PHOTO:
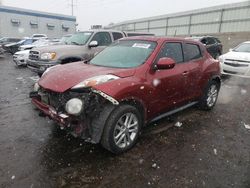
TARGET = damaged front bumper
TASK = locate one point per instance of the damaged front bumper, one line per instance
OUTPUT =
(82, 125)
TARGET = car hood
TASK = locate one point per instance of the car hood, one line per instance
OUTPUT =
(242, 56)
(27, 46)
(11, 44)
(63, 77)
(23, 52)
(59, 48)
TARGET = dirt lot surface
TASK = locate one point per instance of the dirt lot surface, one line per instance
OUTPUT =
(210, 149)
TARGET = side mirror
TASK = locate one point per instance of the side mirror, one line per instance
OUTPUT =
(165, 63)
(230, 50)
(93, 44)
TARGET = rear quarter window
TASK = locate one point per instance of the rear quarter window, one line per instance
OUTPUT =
(192, 52)
(117, 35)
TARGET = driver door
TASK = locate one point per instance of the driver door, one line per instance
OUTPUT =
(169, 84)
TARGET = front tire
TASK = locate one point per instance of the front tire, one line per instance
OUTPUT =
(210, 96)
(122, 129)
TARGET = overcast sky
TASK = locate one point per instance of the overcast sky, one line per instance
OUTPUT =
(103, 12)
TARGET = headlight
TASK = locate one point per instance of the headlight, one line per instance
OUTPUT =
(36, 87)
(74, 106)
(95, 81)
(48, 56)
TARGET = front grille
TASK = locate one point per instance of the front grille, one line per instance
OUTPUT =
(232, 72)
(235, 60)
(58, 100)
(236, 64)
(34, 55)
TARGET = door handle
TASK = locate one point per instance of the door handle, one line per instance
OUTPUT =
(185, 73)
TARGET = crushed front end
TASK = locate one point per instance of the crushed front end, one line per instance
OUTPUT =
(74, 110)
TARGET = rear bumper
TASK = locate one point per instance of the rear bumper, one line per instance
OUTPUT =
(40, 66)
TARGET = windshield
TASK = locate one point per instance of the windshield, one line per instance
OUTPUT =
(125, 54)
(3, 40)
(245, 47)
(80, 38)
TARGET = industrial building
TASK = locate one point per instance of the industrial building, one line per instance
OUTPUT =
(230, 22)
(17, 22)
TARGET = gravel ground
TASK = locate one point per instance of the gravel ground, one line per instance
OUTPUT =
(210, 149)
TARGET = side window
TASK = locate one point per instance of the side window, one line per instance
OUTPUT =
(210, 41)
(103, 38)
(172, 50)
(217, 40)
(117, 36)
(204, 41)
(192, 51)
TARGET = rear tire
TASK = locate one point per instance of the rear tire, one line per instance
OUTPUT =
(210, 96)
(122, 129)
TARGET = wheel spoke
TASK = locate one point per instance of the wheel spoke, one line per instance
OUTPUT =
(127, 119)
(119, 135)
(120, 139)
(132, 125)
(133, 130)
(128, 138)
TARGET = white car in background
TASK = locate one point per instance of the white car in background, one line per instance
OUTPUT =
(237, 61)
(20, 57)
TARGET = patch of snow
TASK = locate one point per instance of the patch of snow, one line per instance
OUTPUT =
(246, 126)
(215, 151)
(156, 82)
(243, 91)
(178, 124)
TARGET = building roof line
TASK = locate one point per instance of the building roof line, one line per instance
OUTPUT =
(22, 11)
(185, 13)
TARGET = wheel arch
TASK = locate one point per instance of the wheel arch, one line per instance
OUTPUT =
(69, 59)
(139, 105)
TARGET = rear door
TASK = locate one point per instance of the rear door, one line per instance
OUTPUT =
(193, 62)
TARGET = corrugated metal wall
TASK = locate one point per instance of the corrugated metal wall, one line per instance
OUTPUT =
(219, 19)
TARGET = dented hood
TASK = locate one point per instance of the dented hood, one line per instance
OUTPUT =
(63, 77)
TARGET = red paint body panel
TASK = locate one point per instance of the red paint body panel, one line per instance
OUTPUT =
(157, 90)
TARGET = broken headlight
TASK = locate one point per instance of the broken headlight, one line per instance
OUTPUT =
(74, 106)
(95, 81)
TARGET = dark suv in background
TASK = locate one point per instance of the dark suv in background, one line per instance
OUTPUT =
(213, 45)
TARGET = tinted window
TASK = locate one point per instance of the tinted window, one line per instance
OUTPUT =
(217, 40)
(192, 51)
(211, 41)
(117, 36)
(103, 38)
(172, 50)
(204, 41)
